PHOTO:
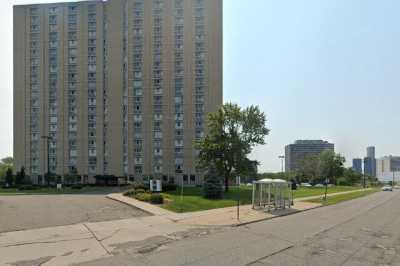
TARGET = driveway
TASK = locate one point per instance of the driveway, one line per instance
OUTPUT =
(38, 211)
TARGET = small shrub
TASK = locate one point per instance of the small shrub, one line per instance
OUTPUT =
(343, 182)
(138, 185)
(76, 186)
(129, 193)
(146, 197)
(27, 187)
(169, 187)
(157, 199)
(140, 191)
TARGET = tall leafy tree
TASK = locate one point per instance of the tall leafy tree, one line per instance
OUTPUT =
(331, 165)
(20, 177)
(351, 177)
(5, 163)
(233, 133)
(310, 168)
(9, 161)
(9, 178)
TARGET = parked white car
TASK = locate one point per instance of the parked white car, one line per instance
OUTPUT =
(305, 185)
(387, 188)
(319, 185)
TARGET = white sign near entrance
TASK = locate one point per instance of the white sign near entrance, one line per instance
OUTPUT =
(155, 186)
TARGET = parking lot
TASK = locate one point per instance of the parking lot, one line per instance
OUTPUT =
(36, 211)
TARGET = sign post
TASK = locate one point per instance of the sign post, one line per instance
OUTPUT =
(238, 196)
(326, 187)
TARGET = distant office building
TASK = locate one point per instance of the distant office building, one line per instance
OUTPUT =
(371, 152)
(295, 153)
(357, 165)
(370, 162)
(386, 167)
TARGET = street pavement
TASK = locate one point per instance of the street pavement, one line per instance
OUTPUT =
(363, 231)
(24, 212)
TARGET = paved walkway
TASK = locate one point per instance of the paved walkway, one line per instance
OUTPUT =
(331, 194)
(223, 216)
(64, 245)
(216, 217)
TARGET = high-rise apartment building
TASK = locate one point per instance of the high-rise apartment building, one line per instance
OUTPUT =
(370, 162)
(116, 87)
(297, 152)
(357, 165)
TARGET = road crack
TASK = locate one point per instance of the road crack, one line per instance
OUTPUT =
(98, 240)
(44, 242)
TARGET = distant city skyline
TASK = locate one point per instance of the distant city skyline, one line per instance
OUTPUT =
(318, 69)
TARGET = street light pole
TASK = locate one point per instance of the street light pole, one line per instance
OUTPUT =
(281, 157)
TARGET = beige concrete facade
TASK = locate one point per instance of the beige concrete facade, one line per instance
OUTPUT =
(123, 87)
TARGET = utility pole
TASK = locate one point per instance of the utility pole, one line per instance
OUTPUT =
(364, 181)
(393, 179)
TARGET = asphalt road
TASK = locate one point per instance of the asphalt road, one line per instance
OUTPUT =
(364, 231)
(38, 211)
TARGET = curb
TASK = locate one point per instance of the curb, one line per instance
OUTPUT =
(174, 220)
(130, 205)
(274, 217)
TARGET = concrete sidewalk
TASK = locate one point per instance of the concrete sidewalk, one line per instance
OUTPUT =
(330, 194)
(66, 245)
(223, 216)
(214, 217)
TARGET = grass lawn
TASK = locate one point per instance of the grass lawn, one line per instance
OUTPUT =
(193, 200)
(52, 190)
(303, 192)
(340, 198)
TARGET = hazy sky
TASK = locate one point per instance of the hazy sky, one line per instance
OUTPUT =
(320, 69)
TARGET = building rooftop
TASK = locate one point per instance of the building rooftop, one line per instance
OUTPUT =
(60, 3)
(303, 141)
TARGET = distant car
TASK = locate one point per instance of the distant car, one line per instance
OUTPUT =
(319, 185)
(305, 185)
(396, 187)
(387, 188)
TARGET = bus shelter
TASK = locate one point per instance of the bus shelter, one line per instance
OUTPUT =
(272, 194)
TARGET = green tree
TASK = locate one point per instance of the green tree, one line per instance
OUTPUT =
(212, 188)
(9, 161)
(310, 168)
(233, 133)
(9, 178)
(5, 163)
(318, 168)
(351, 177)
(331, 165)
(20, 177)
